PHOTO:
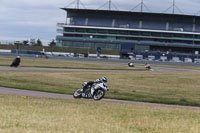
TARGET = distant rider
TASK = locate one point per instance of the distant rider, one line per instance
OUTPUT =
(16, 62)
(147, 66)
(90, 83)
(130, 64)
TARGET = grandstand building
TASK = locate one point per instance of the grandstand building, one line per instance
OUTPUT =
(129, 31)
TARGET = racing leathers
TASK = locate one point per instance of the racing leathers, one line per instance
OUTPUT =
(90, 83)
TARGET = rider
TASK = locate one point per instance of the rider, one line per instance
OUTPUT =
(147, 66)
(90, 83)
(16, 62)
(130, 64)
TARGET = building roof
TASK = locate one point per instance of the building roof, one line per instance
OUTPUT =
(112, 12)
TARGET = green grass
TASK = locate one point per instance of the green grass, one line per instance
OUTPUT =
(135, 85)
(177, 66)
(38, 115)
(61, 63)
(55, 63)
(158, 87)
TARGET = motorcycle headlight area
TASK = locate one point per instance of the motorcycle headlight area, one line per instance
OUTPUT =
(105, 84)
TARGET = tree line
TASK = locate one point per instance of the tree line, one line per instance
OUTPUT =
(33, 43)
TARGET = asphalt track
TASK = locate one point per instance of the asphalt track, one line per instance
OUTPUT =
(63, 69)
(44, 69)
(30, 93)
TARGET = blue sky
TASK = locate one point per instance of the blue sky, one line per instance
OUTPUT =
(25, 19)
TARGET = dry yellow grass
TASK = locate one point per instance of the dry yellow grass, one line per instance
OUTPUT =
(27, 114)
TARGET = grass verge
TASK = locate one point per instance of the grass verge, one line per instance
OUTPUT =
(74, 64)
(29, 114)
(55, 63)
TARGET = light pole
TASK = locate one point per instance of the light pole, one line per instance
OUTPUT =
(89, 44)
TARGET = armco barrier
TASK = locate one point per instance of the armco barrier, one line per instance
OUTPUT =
(25, 52)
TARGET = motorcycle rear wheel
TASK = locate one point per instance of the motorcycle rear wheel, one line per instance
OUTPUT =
(77, 93)
(98, 94)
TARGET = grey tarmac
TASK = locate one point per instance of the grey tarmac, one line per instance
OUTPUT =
(12, 91)
(65, 69)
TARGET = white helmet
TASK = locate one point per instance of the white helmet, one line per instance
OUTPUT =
(104, 79)
(84, 84)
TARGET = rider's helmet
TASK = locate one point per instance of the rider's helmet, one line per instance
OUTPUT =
(104, 79)
(84, 84)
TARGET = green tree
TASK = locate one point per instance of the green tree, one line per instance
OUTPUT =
(38, 43)
(25, 42)
(52, 43)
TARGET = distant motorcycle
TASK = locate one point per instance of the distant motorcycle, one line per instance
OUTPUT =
(130, 64)
(147, 66)
(95, 91)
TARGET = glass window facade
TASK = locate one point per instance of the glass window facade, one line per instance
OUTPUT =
(121, 36)
(93, 45)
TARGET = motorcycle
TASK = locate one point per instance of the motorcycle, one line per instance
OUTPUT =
(130, 64)
(95, 91)
(147, 66)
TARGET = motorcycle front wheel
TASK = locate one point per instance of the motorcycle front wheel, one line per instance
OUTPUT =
(77, 93)
(98, 94)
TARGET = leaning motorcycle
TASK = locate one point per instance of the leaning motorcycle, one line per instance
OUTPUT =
(95, 91)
